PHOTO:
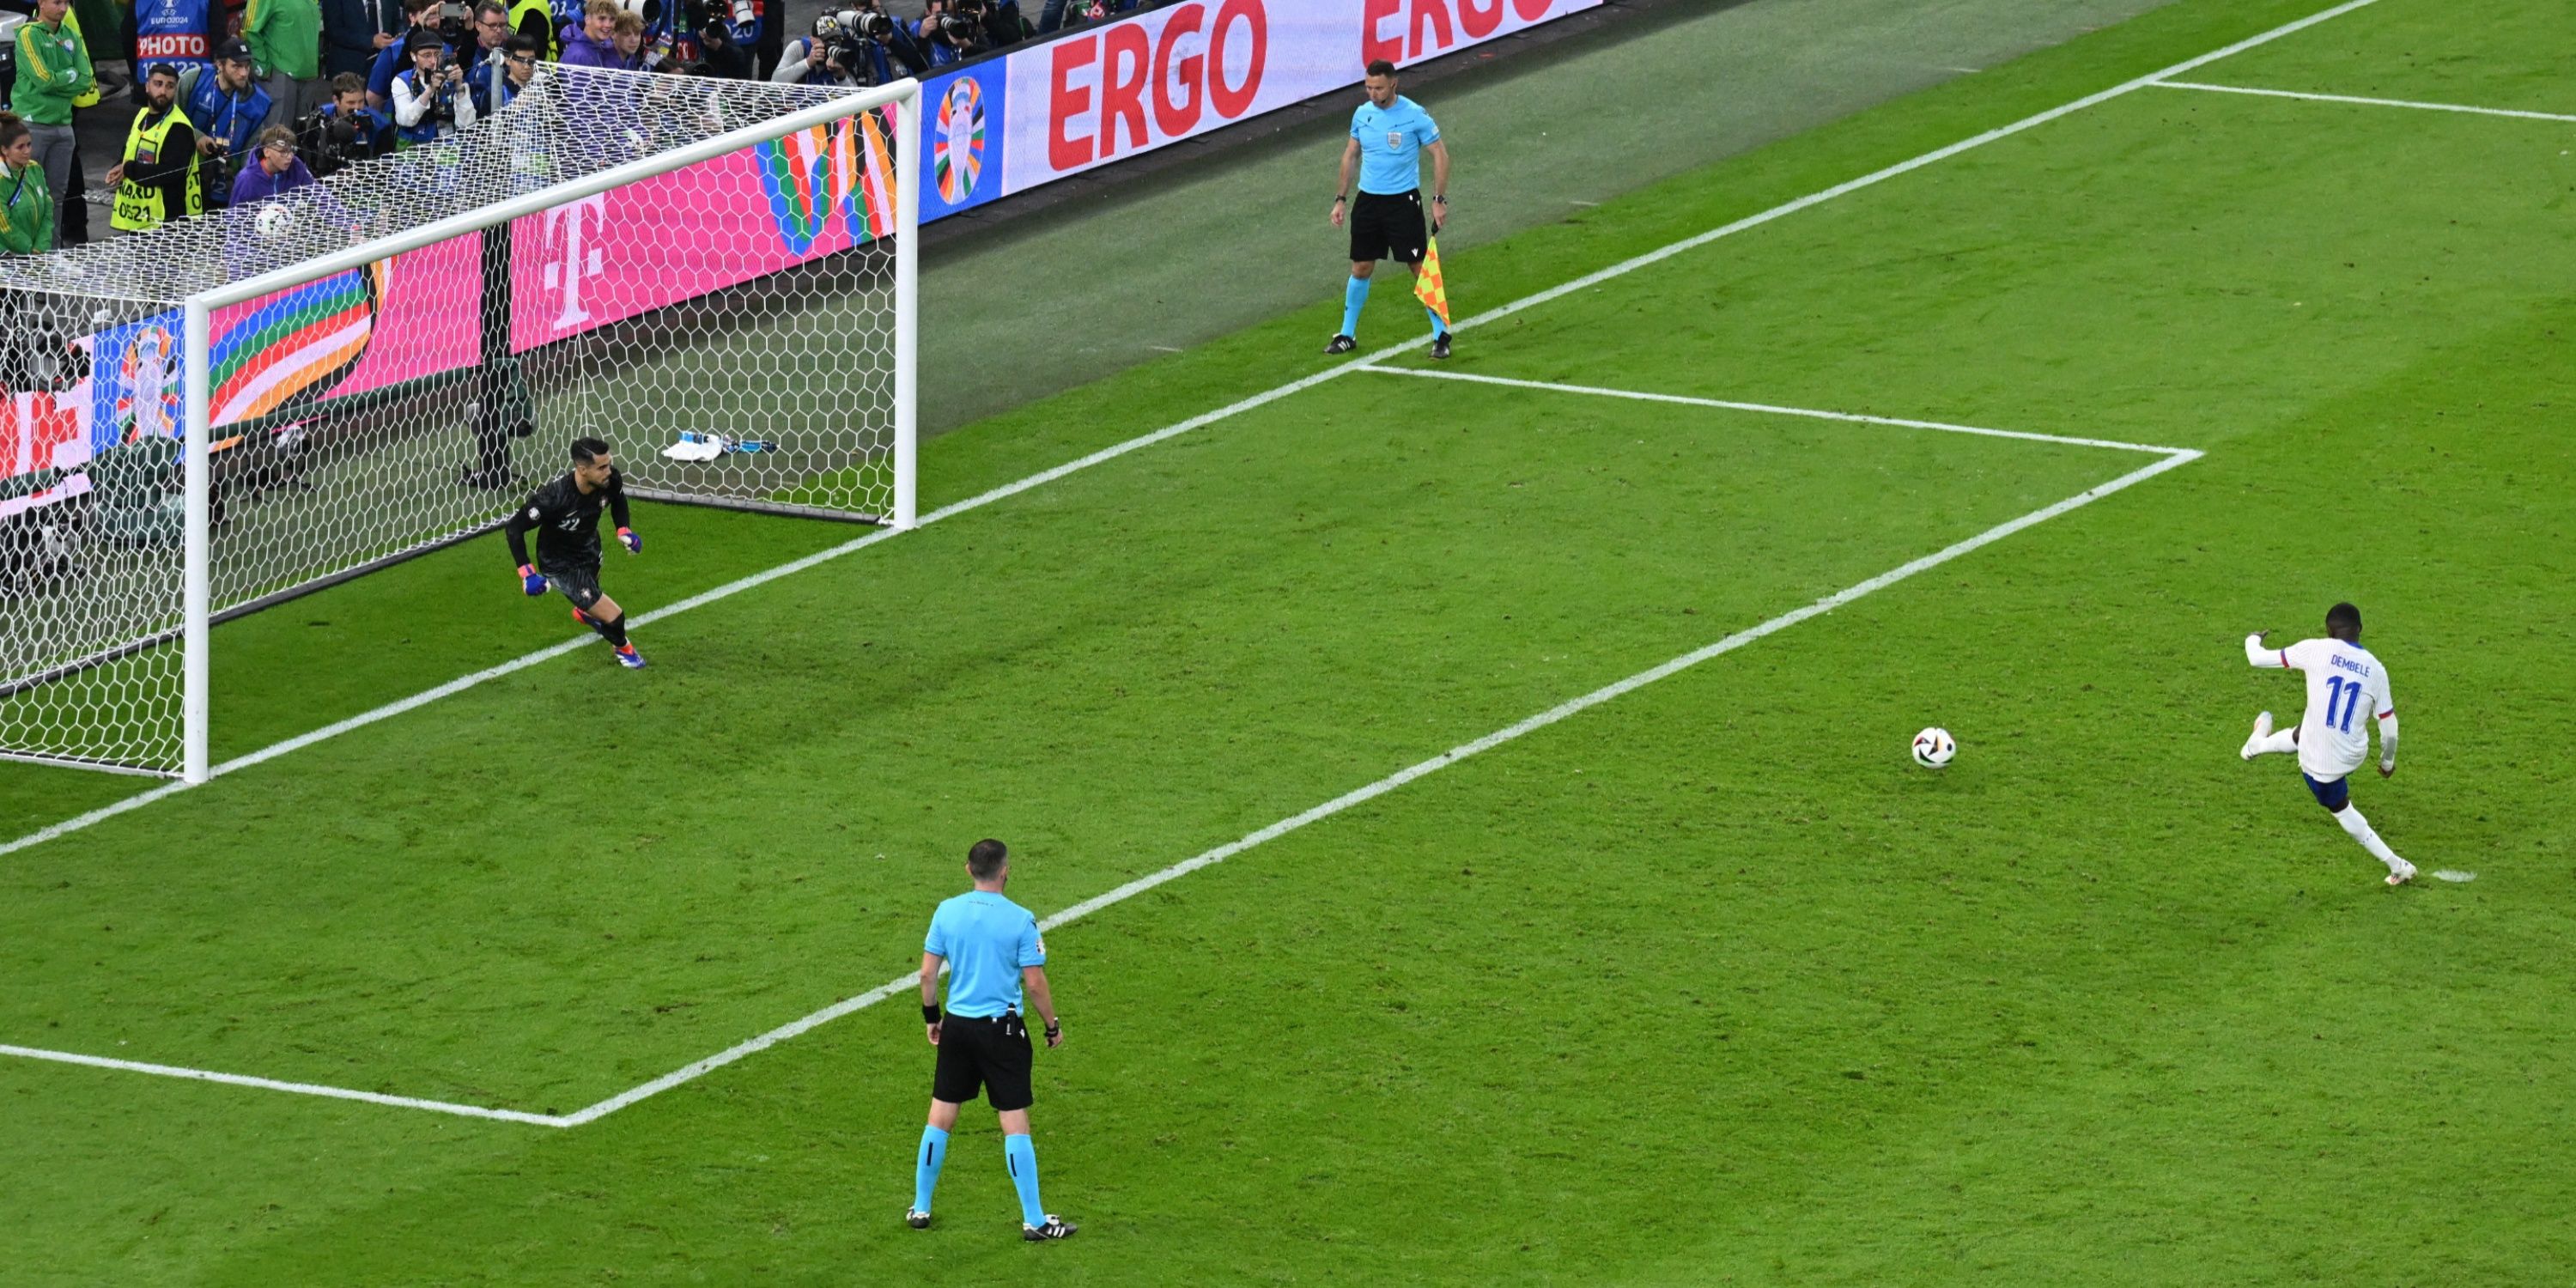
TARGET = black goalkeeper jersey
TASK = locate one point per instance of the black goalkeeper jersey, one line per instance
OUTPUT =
(567, 522)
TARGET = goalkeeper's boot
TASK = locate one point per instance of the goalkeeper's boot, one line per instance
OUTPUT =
(585, 619)
(1341, 344)
(1440, 346)
(630, 659)
(1056, 1227)
(917, 1219)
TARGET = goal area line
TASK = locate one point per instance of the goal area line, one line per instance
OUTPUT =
(2172, 458)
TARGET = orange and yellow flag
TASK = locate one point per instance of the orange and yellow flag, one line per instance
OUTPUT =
(1427, 286)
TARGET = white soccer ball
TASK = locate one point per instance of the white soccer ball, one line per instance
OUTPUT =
(1933, 748)
(275, 222)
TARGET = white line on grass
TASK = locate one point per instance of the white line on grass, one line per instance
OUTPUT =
(2175, 456)
(1902, 167)
(1768, 409)
(1586, 282)
(2366, 102)
(299, 1088)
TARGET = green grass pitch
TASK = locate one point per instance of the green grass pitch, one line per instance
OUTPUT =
(1705, 984)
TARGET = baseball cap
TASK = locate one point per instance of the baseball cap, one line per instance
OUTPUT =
(235, 50)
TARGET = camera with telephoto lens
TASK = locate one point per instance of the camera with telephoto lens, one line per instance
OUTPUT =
(442, 92)
(334, 143)
(456, 23)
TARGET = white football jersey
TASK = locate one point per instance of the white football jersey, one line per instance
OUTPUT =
(2347, 690)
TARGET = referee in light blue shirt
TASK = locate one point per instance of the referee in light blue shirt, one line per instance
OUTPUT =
(992, 948)
(1389, 134)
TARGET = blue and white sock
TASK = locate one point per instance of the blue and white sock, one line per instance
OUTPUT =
(925, 1169)
(1353, 296)
(1438, 327)
(1022, 1155)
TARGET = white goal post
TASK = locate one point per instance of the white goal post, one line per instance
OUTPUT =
(719, 277)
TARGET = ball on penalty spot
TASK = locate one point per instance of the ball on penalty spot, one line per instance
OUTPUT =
(1934, 747)
(275, 222)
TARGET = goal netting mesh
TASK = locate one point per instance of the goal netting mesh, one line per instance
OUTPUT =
(723, 309)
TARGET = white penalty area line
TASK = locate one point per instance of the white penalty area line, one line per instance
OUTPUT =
(2173, 458)
(2366, 102)
(869, 998)
(1768, 409)
(272, 1084)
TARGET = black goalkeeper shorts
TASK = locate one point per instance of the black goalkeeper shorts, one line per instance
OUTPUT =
(576, 582)
(1388, 226)
(992, 1055)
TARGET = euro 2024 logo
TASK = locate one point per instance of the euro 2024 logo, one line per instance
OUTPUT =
(958, 157)
(149, 400)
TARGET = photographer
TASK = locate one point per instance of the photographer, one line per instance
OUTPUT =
(832, 56)
(720, 54)
(424, 16)
(344, 132)
(952, 31)
(430, 102)
(228, 109)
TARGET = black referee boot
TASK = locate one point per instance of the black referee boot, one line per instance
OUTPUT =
(1055, 1228)
(917, 1219)
(1341, 344)
(1440, 347)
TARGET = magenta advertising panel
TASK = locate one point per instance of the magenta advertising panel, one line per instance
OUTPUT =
(648, 245)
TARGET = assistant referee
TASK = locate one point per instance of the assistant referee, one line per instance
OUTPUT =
(1389, 134)
(992, 948)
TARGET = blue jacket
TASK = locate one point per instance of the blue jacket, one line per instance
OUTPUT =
(230, 119)
(348, 37)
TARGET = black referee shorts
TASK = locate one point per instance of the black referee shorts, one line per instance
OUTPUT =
(1388, 225)
(991, 1055)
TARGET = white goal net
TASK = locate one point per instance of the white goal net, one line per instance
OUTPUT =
(228, 411)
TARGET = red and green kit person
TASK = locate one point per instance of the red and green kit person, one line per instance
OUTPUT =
(565, 515)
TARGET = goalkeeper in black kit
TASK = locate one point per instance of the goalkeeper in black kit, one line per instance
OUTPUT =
(565, 514)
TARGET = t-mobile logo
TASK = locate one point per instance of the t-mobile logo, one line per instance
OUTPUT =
(567, 230)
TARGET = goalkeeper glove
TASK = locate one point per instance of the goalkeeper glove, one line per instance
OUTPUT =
(634, 544)
(531, 581)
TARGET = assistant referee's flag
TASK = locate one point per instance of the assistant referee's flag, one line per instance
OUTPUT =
(1427, 286)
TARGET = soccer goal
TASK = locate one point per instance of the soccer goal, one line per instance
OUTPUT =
(210, 418)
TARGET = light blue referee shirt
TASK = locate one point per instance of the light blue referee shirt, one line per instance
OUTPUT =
(986, 939)
(1391, 143)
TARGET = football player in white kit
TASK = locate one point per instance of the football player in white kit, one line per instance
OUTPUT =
(2347, 688)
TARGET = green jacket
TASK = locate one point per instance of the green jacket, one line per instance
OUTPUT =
(285, 36)
(53, 69)
(26, 211)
